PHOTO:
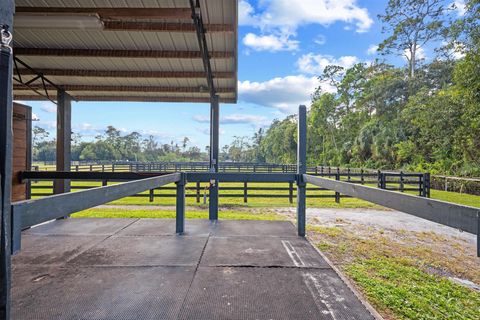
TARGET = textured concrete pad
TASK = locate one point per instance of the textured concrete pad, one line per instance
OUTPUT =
(47, 250)
(73, 226)
(270, 293)
(165, 227)
(144, 251)
(135, 270)
(262, 252)
(229, 228)
(104, 293)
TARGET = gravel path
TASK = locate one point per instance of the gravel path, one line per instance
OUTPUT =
(380, 219)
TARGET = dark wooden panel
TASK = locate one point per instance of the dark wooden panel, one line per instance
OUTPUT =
(21, 147)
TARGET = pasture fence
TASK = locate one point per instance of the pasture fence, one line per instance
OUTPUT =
(417, 183)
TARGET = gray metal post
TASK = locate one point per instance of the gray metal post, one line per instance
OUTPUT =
(301, 169)
(64, 138)
(214, 139)
(180, 205)
(6, 108)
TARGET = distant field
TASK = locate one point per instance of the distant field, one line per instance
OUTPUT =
(464, 199)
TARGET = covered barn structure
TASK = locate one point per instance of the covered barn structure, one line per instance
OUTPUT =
(154, 51)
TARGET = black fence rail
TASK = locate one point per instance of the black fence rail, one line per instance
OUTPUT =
(416, 183)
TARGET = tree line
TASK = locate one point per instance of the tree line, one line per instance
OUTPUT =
(422, 117)
(113, 146)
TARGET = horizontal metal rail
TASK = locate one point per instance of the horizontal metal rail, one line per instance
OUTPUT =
(32, 212)
(446, 213)
(87, 175)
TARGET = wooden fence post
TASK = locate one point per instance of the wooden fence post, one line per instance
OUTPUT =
(245, 193)
(401, 182)
(198, 192)
(290, 191)
(337, 195)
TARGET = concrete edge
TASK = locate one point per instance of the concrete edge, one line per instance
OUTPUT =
(348, 283)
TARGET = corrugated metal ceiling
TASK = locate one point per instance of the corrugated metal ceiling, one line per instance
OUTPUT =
(219, 12)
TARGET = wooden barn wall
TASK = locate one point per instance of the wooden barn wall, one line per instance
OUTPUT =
(22, 136)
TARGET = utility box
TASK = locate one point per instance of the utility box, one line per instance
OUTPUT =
(22, 150)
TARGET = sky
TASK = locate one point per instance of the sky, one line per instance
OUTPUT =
(283, 46)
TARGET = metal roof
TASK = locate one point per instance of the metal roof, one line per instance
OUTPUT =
(144, 50)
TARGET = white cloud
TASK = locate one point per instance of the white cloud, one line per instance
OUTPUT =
(48, 107)
(320, 39)
(255, 120)
(460, 6)
(419, 55)
(35, 117)
(245, 119)
(458, 51)
(206, 130)
(270, 42)
(246, 13)
(201, 119)
(47, 124)
(315, 63)
(288, 15)
(282, 93)
(372, 49)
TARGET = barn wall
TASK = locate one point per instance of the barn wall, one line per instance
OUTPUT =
(22, 135)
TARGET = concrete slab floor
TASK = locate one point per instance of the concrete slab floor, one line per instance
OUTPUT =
(139, 269)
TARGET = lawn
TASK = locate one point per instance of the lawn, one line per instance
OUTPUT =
(166, 197)
(404, 274)
(170, 214)
(396, 286)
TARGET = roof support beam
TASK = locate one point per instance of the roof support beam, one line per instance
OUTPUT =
(82, 87)
(125, 73)
(108, 53)
(64, 137)
(39, 89)
(112, 13)
(163, 26)
(6, 112)
(202, 43)
(27, 97)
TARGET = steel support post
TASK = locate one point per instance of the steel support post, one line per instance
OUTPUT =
(6, 109)
(180, 205)
(301, 169)
(214, 142)
(64, 138)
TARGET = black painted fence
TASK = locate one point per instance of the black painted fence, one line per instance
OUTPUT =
(417, 183)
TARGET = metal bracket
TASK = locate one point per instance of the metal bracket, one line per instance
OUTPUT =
(202, 43)
(300, 180)
(38, 76)
(5, 38)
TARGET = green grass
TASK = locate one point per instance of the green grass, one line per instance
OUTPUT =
(329, 231)
(170, 214)
(409, 293)
(231, 201)
(454, 197)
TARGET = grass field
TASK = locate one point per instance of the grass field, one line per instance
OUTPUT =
(170, 214)
(161, 199)
(405, 274)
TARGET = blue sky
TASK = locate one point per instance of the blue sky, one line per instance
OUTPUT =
(283, 46)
